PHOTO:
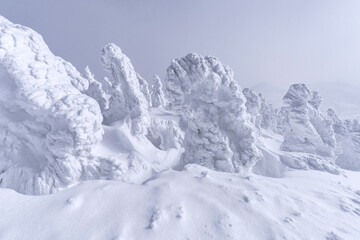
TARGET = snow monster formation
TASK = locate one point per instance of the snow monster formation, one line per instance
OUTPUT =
(253, 106)
(157, 94)
(218, 132)
(305, 129)
(47, 126)
(348, 142)
(263, 115)
(129, 94)
(269, 115)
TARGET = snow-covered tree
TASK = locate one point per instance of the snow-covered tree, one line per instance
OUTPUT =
(268, 115)
(218, 133)
(253, 104)
(95, 90)
(305, 129)
(127, 100)
(157, 95)
(47, 126)
(348, 143)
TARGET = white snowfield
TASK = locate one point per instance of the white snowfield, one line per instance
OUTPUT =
(192, 157)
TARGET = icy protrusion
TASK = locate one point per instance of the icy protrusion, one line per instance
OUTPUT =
(253, 104)
(218, 133)
(157, 95)
(47, 126)
(268, 115)
(95, 90)
(304, 128)
(127, 101)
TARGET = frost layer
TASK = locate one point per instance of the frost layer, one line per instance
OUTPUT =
(47, 126)
(218, 133)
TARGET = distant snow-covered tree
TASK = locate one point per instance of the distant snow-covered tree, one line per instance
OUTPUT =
(268, 115)
(348, 143)
(96, 91)
(126, 89)
(305, 129)
(253, 104)
(157, 95)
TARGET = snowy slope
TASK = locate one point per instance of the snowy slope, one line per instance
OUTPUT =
(193, 204)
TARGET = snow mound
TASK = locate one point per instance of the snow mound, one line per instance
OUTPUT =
(218, 133)
(47, 126)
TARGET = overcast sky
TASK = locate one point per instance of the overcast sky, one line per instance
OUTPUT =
(277, 41)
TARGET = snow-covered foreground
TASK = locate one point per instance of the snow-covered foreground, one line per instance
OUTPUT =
(196, 203)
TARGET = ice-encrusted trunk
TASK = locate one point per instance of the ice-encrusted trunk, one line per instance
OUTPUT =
(47, 126)
(218, 131)
(305, 129)
(128, 91)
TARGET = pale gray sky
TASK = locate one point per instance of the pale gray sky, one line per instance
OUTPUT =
(277, 41)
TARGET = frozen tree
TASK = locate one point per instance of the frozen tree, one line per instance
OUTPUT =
(305, 129)
(218, 133)
(95, 90)
(348, 143)
(47, 126)
(268, 115)
(157, 95)
(144, 87)
(253, 104)
(126, 89)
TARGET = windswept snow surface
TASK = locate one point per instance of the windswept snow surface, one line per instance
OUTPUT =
(196, 203)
